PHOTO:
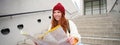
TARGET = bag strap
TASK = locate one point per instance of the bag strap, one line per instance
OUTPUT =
(68, 26)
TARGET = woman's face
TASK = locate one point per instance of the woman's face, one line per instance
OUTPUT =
(57, 15)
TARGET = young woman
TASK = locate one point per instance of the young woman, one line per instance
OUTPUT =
(58, 18)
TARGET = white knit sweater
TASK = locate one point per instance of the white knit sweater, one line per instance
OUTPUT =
(73, 30)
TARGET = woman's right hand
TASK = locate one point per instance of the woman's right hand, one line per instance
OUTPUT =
(70, 40)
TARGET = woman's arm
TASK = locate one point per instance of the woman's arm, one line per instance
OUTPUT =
(74, 35)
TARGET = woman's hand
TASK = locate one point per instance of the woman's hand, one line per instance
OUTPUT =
(72, 40)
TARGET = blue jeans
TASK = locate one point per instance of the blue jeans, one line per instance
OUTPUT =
(79, 44)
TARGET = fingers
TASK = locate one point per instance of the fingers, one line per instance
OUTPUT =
(70, 40)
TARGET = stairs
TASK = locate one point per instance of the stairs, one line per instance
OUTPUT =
(101, 29)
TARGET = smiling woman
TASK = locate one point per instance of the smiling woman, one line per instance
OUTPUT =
(70, 29)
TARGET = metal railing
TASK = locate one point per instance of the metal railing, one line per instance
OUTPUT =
(24, 13)
(30, 13)
(113, 5)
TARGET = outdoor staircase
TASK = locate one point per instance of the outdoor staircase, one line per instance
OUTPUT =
(101, 29)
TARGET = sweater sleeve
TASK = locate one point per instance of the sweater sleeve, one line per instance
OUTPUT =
(74, 31)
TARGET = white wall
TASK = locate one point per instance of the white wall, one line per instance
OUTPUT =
(19, 6)
(30, 23)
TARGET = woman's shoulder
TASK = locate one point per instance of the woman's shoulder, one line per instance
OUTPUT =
(70, 21)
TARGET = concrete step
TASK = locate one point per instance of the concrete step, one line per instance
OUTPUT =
(91, 16)
(96, 20)
(94, 26)
(100, 34)
(97, 24)
(117, 24)
(99, 16)
(98, 27)
(112, 25)
(100, 41)
(100, 30)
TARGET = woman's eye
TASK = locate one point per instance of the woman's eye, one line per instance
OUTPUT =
(58, 12)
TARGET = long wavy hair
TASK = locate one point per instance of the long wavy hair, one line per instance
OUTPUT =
(63, 22)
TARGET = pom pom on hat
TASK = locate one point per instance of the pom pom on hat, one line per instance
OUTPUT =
(59, 7)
